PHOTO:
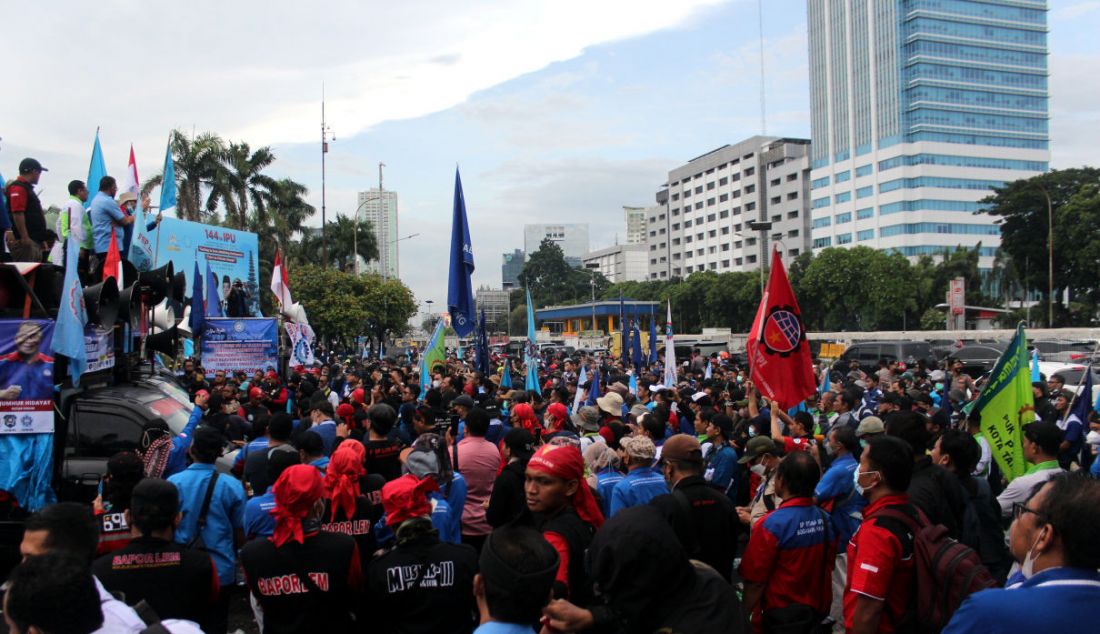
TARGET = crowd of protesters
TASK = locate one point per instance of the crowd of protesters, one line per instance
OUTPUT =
(351, 500)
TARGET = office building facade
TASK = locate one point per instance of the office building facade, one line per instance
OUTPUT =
(722, 211)
(381, 212)
(510, 268)
(919, 108)
(620, 263)
(572, 238)
(635, 218)
(493, 301)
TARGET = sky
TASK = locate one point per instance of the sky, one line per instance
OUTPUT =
(562, 111)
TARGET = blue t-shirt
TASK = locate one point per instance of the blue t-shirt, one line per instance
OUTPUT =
(721, 468)
(224, 517)
(35, 375)
(177, 457)
(258, 520)
(105, 214)
(1054, 600)
(605, 484)
(637, 487)
(837, 484)
(326, 429)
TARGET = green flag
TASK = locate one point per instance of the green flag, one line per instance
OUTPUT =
(1006, 405)
(435, 354)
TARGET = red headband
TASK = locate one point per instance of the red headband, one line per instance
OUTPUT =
(296, 491)
(406, 498)
(342, 477)
(566, 462)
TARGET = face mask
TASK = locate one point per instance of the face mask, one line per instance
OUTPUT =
(939, 386)
(829, 449)
(1093, 438)
(1027, 568)
(752, 431)
(758, 469)
(863, 444)
(855, 479)
(436, 384)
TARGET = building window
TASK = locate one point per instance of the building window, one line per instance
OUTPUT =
(750, 206)
(713, 233)
(864, 192)
(844, 238)
(864, 170)
(725, 264)
(723, 198)
(725, 213)
(710, 186)
(687, 224)
(750, 189)
(737, 261)
(793, 233)
(775, 182)
(676, 197)
(710, 217)
(820, 243)
(776, 200)
(844, 217)
(791, 177)
(749, 171)
(724, 181)
(699, 205)
(699, 189)
(792, 214)
(843, 176)
(792, 196)
(865, 235)
(842, 197)
(725, 246)
(710, 202)
(751, 259)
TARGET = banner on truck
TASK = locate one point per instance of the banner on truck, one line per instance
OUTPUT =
(240, 344)
(232, 255)
(26, 376)
(99, 345)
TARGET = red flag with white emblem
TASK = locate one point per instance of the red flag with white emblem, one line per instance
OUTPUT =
(779, 356)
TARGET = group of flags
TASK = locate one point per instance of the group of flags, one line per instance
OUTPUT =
(72, 316)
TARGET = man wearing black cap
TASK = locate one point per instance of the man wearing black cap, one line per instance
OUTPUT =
(762, 457)
(28, 220)
(711, 515)
(516, 574)
(176, 581)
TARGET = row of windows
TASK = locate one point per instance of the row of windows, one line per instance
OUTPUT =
(947, 72)
(950, 28)
(961, 161)
(981, 10)
(843, 197)
(937, 181)
(979, 139)
(939, 227)
(976, 53)
(818, 183)
(955, 119)
(844, 176)
(931, 249)
(929, 205)
(979, 98)
(822, 222)
(818, 203)
(864, 170)
(844, 218)
(865, 192)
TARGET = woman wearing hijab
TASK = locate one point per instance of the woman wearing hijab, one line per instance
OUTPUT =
(603, 465)
(303, 578)
(523, 417)
(565, 511)
(346, 509)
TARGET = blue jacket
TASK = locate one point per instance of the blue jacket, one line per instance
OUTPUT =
(177, 458)
(637, 487)
(226, 514)
(721, 469)
(258, 520)
(605, 484)
(326, 429)
(837, 484)
(1054, 600)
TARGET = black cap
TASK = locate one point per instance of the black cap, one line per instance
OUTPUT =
(520, 442)
(28, 165)
(154, 501)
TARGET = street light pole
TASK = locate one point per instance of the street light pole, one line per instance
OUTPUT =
(1050, 257)
(592, 282)
(326, 133)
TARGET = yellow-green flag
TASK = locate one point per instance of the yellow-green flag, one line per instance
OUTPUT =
(1006, 405)
(435, 354)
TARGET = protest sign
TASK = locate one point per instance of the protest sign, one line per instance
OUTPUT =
(26, 376)
(231, 254)
(239, 344)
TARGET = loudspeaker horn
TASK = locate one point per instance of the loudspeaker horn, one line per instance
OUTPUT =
(155, 285)
(129, 306)
(164, 342)
(179, 287)
(102, 301)
(164, 315)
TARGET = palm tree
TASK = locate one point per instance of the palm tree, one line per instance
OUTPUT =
(198, 165)
(243, 185)
(285, 210)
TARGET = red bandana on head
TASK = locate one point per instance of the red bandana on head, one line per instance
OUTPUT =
(342, 477)
(406, 498)
(296, 491)
(566, 462)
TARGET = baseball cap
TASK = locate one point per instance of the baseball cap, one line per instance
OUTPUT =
(682, 447)
(639, 447)
(28, 165)
(870, 425)
(756, 447)
(463, 400)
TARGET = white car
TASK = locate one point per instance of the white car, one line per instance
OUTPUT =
(1072, 373)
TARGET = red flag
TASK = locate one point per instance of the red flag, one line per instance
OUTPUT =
(112, 265)
(779, 355)
(280, 282)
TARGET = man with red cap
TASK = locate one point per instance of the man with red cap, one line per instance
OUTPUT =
(422, 584)
(566, 512)
(305, 579)
(254, 410)
(276, 394)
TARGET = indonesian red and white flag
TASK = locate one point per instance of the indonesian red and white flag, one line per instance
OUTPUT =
(779, 355)
(112, 265)
(280, 282)
(131, 183)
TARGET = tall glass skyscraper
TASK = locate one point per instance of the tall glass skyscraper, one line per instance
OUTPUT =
(919, 108)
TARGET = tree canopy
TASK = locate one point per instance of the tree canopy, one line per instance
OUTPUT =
(342, 305)
(552, 280)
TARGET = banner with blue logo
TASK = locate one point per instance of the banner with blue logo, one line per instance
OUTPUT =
(240, 344)
(231, 254)
(26, 376)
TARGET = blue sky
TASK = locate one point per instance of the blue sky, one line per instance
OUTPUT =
(554, 111)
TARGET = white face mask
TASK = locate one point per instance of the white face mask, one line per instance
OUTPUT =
(759, 469)
(1027, 568)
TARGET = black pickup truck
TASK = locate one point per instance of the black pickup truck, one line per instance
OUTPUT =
(91, 426)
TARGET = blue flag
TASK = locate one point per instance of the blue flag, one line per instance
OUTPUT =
(506, 375)
(482, 347)
(581, 378)
(531, 352)
(72, 317)
(168, 184)
(198, 309)
(825, 385)
(636, 348)
(633, 386)
(213, 300)
(1036, 376)
(460, 291)
(652, 339)
(709, 372)
(594, 392)
(96, 170)
(1083, 402)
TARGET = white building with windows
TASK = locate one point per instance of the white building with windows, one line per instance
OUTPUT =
(919, 109)
(723, 210)
(493, 301)
(381, 212)
(572, 238)
(620, 263)
(635, 218)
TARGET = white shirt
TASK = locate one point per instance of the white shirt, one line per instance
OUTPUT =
(1019, 490)
(117, 616)
(76, 220)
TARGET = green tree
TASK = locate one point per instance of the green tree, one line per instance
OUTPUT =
(198, 163)
(1022, 207)
(342, 306)
(552, 281)
(241, 185)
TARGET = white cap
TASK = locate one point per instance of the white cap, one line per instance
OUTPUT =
(698, 395)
